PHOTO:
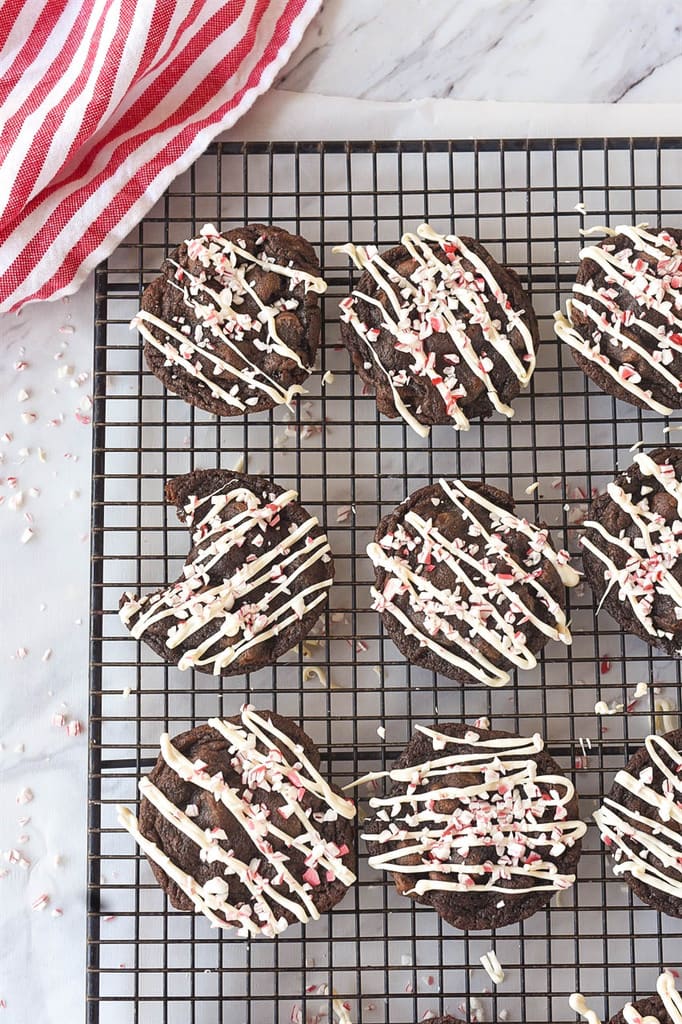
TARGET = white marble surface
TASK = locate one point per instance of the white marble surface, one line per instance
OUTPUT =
(506, 50)
(485, 51)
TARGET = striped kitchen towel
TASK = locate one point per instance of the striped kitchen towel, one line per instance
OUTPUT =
(102, 104)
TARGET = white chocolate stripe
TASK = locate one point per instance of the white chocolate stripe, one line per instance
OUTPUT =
(310, 281)
(260, 727)
(475, 304)
(634, 845)
(271, 770)
(612, 265)
(560, 632)
(501, 812)
(569, 576)
(668, 481)
(440, 608)
(420, 589)
(267, 314)
(666, 989)
(626, 340)
(429, 302)
(461, 421)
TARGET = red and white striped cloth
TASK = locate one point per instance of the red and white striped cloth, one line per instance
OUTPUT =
(102, 104)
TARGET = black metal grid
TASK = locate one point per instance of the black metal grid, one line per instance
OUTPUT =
(391, 961)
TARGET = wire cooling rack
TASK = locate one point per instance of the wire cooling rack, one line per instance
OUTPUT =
(388, 960)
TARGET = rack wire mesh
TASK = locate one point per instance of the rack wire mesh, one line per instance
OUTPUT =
(387, 959)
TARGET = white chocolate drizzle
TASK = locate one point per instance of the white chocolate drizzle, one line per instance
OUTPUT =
(201, 598)
(655, 283)
(651, 558)
(271, 771)
(217, 320)
(439, 297)
(483, 598)
(515, 811)
(635, 838)
(666, 990)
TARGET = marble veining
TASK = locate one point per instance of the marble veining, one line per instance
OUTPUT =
(507, 50)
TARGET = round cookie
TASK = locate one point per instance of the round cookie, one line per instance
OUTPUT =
(237, 823)
(254, 583)
(232, 325)
(624, 320)
(641, 824)
(452, 823)
(439, 330)
(632, 548)
(465, 587)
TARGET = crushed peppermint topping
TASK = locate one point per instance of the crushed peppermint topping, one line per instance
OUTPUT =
(519, 815)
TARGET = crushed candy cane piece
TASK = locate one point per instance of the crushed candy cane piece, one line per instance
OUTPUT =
(25, 796)
(40, 902)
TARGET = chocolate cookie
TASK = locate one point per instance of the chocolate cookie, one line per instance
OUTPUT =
(439, 330)
(465, 587)
(632, 549)
(664, 1008)
(640, 822)
(624, 320)
(237, 823)
(254, 583)
(479, 824)
(232, 324)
